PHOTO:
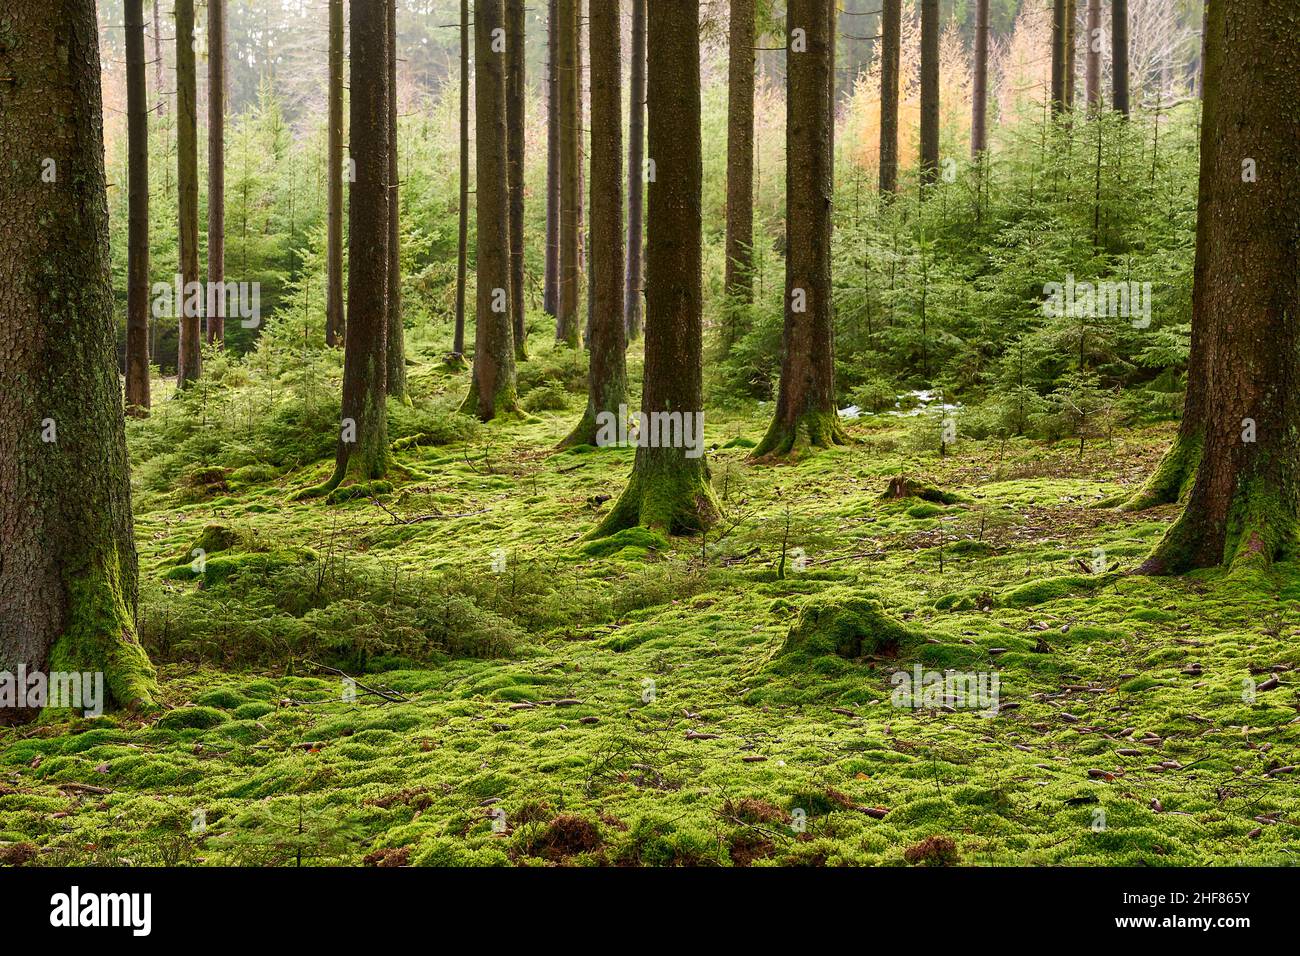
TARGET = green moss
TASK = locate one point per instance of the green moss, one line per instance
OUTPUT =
(225, 698)
(185, 718)
(846, 623)
(640, 540)
(1051, 589)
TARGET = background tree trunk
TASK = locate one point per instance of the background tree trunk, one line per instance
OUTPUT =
(805, 409)
(1119, 55)
(462, 247)
(137, 242)
(635, 174)
(189, 309)
(668, 490)
(334, 189)
(67, 552)
(738, 284)
(395, 342)
(929, 91)
(159, 89)
(890, 28)
(980, 82)
(1059, 35)
(216, 320)
(516, 80)
(566, 320)
(1071, 47)
(1092, 60)
(492, 391)
(1244, 500)
(607, 371)
(551, 281)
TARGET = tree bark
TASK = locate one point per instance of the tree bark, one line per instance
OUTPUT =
(980, 83)
(891, 39)
(216, 323)
(1119, 56)
(492, 391)
(566, 319)
(516, 81)
(632, 310)
(1245, 497)
(607, 371)
(137, 242)
(738, 282)
(189, 309)
(668, 490)
(158, 61)
(929, 91)
(395, 342)
(1092, 61)
(68, 568)
(1059, 35)
(805, 410)
(1071, 35)
(334, 190)
(551, 281)
(462, 248)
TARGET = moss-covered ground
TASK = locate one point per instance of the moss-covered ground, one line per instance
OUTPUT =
(637, 700)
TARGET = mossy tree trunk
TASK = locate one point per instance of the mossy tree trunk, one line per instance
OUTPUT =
(805, 408)
(188, 354)
(551, 279)
(67, 553)
(1243, 503)
(607, 371)
(492, 391)
(137, 242)
(738, 282)
(462, 242)
(395, 341)
(569, 113)
(929, 91)
(980, 81)
(632, 312)
(668, 490)
(1119, 55)
(334, 189)
(890, 51)
(516, 79)
(216, 323)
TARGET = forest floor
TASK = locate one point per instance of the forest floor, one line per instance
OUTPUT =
(672, 718)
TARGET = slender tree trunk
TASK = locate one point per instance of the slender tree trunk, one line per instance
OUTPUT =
(1059, 37)
(516, 81)
(891, 32)
(395, 343)
(363, 435)
(1245, 497)
(1200, 67)
(1119, 55)
(607, 372)
(334, 190)
(67, 553)
(190, 308)
(216, 301)
(492, 391)
(740, 168)
(805, 409)
(980, 84)
(1071, 46)
(551, 281)
(462, 248)
(137, 242)
(566, 320)
(1092, 73)
(669, 488)
(929, 91)
(159, 89)
(635, 174)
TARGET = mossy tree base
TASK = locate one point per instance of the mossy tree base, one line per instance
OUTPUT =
(1261, 526)
(675, 502)
(1173, 477)
(809, 431)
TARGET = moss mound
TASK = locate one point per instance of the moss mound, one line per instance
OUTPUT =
(637, 541)
(847, 623)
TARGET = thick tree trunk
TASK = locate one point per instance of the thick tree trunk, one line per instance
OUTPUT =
(1059, 36)
(980, 82)
(363, 436)
(67, 553)
(607, 372)
(516, 80)
(492, 391)
(566, 317)
(137, 242)
(1119, 56)
(189, 309)
(890, 40)
(738, 284)
(929, 91)
(669, 489)
(462, 248)
(805, 409)
(1092, 60)
(334, 189)
(395, 341)
(632, 300)
(1244, 500)
(216, 320)
(551, 281)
